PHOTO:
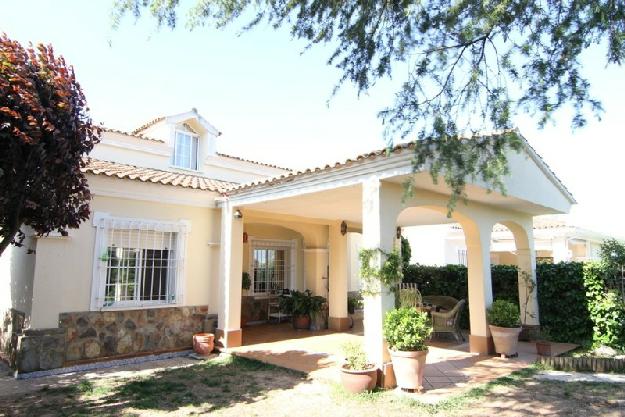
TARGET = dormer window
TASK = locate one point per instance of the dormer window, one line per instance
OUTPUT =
(185, 150)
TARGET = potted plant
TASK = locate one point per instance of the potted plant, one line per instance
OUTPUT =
(246, 282)
(301, 306)
(505, 325)
(406, 331)
(543, 344)
(357, 375)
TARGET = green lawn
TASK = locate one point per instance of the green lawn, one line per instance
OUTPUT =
(233, 386)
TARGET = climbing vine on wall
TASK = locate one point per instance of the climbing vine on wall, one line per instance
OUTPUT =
(374, 279)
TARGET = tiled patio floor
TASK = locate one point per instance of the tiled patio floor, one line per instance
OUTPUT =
(450, 368)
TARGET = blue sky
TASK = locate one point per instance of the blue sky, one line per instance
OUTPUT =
(271, 101)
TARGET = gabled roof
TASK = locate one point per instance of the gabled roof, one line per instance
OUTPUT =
(156, 176)
(386, 152)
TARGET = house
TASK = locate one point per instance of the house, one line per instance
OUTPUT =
(174, 224)
(556, 239)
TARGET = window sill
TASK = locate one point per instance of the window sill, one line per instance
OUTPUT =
(144, 306)
(191, 170)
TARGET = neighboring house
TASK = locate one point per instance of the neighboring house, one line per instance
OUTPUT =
(174, 224)
(555, 240)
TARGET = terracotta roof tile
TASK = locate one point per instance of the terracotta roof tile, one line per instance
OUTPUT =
(124, 171)
(134, 135)
(148, 124)
(238, 158)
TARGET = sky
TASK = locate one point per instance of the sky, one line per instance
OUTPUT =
(273, 101)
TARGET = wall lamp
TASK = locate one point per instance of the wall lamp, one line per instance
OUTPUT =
(237, 214)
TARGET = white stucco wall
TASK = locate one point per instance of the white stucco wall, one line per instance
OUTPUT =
(17, 265)
(64, 267)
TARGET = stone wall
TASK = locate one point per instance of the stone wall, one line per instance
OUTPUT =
(253, 309)
(10, 327)
(40, 349)
(99, 334)
(95, 335)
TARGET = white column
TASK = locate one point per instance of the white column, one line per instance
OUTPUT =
(337, 297)
(480, 286)
(231, 267)
(380, 208)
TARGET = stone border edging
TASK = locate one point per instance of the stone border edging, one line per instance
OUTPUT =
(587, 364)
(102, 365)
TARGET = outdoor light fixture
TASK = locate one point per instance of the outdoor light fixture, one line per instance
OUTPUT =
(343, 228)
(238, 214)
(398, 232)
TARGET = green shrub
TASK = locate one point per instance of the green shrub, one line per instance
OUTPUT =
(606, 307)
(355, 357)
(354, 302)
(503, 313)
(406, 329)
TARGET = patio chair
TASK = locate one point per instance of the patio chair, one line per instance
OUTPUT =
(446, 321)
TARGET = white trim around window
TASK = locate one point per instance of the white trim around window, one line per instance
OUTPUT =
(269, 244)
(137, 263)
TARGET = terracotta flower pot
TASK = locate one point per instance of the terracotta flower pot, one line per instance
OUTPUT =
(203, 343)
(543, 348)
(301, 322)
(408, 368)
(359, 381)
(506, 339)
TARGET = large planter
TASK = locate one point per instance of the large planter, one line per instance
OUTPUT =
(357, 382)
(506, 339)
(203, 343)
(301, 322)
(408, 368)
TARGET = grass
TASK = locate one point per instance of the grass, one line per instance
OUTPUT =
(234, 386)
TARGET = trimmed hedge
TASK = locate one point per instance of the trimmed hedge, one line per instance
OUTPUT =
(561, 293)
(562, 301)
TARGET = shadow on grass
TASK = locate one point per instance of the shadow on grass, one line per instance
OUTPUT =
(208, 386)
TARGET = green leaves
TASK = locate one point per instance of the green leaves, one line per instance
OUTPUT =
(469, 66)
(45, 131)
(503, 313)
(301, 303)
(388, 275)
(406, 329)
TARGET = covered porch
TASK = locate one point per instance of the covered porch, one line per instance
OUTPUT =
(450, 366)
(367, 196)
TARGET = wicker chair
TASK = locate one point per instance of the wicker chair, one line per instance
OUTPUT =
(448, 321)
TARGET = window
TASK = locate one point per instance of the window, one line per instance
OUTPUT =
(185, 150)
(462, 257)
(272, 264)
(139, 263)
(270, 270)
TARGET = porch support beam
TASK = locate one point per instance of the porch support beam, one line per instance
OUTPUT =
(381, 204)
(480, 289)
(229, 332)
(337, 298)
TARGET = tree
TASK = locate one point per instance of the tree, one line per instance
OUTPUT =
(612, 254)
(471, 65)
(45, 131)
